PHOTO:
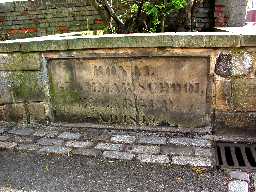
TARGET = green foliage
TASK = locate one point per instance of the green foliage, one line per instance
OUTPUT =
(161, 9)
(152, 12)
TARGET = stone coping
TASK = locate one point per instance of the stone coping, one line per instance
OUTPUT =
(74, 41)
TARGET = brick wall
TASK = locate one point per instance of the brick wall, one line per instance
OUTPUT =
(230, 13)
(43, 17)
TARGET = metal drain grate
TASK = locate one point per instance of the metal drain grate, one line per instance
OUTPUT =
(233, 155)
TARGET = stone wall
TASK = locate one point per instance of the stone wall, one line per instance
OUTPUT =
(192, 80)
(21, 19)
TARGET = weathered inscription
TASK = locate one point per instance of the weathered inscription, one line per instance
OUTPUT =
(146, 90)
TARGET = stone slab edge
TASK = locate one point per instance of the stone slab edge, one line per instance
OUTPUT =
(172, 40)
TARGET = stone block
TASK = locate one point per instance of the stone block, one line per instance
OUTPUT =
(20, 86)
(86, 152)
(40, 133)
(123, 139)
(118, 155)
(47, 141)
(7, 145)
(190, 142)
(223, 94)
(15, 112)
(164, 95)
(69, 135)
(177, 150)
(145, 149)
(243, 94)
(21, 131)
(192, 161)
(3, 130)
(55, 149)
(154, 140)
(37, 111)
(202, 152)
(28, 147)
(244, 120)
(4, 138)
(145, 158)
(19, 139)
(20, 61)
(109, 146)
(238, 186)
(79, 144)
(239, 175)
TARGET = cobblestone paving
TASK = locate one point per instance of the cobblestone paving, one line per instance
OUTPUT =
(168, 149)
(145, 147)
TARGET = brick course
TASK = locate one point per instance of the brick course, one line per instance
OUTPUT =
(36, 18)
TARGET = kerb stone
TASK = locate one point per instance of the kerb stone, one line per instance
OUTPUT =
(123, 139)
(238, 186)
(154, 140)
(70, 136)
(109, 146)
(145, 158)
(193, 161)
(7, 145)
(55, 149)
(145, 149)
(46, 141)
(190, 142)
(78, 144)
(21, 132)
(118, 155)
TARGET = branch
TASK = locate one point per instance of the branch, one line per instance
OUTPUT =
(112, 14)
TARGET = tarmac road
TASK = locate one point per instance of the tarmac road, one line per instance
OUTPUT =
(31, 172)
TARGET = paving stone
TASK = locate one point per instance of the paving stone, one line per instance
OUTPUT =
(4, 138)
(177, 150)
(28, 147)
(118, 155)
(86, 152)
(19, 139)
(2, 130)
(154, 140)
(243, 176)
(109, 146)
(203, 152)
(105, 137)
(150, 149)
(145, 158)
(48, 141)
(55, 149)
(78, 144)
(21, 132)
(40, 133)
(51, 134)
(190, 142)
(123, 139)
(238, 186)
(193, 161)
(69, 135)
(7, 145)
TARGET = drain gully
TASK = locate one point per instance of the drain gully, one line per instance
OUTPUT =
(236, 155)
